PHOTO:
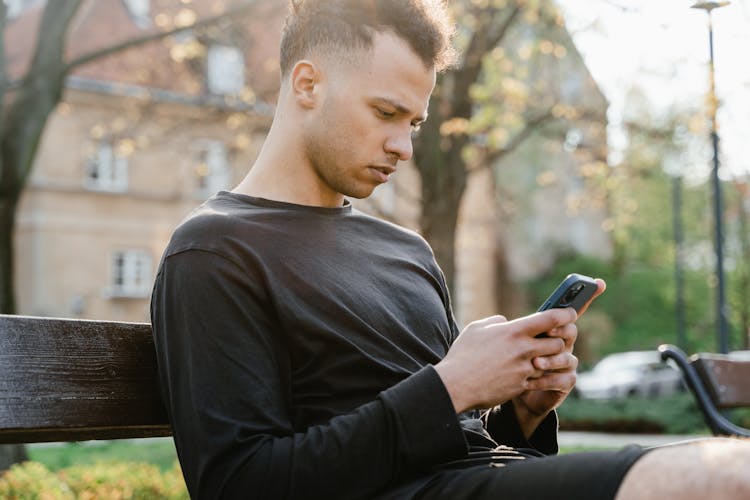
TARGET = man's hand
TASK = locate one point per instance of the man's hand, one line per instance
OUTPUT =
(492, 361)
(550, 390)
(495, 360)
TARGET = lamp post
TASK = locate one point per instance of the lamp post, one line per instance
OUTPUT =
(721, 307)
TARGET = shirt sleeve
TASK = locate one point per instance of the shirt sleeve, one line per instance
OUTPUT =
(226, 380)
(503, 427)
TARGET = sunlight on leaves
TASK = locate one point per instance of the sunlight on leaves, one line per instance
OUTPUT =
(546, 178)
(97, 132)
(454, 126)
(187, 50)
(248, 95)
(125, 147)
(236, 120)
(185, 18)
(163, 21)
(242, 141)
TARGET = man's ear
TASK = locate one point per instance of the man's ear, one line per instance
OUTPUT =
(305, 78)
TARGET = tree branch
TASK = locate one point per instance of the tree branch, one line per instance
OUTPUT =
(530, 125)
(482, 41)
(27, 114)
(134, 42)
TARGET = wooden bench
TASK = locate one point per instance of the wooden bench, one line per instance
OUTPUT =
(75, 380)
(718, 383)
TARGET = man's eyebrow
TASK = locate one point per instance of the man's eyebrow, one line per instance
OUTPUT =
(400, 108)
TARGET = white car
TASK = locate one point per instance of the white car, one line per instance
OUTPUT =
(624, 374)
(740, 355)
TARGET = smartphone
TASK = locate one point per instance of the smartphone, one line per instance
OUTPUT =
(574, 291)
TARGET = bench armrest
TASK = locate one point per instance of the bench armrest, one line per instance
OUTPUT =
(715, 420)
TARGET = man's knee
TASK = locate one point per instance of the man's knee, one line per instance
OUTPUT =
(709, 468)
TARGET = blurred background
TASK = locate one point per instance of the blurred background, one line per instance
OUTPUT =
(573, 136)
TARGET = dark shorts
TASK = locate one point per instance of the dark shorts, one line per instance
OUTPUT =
(595, 475)
(580, 476)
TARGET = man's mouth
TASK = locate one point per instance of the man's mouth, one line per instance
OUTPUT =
(382, 172)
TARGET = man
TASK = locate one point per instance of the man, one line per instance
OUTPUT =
(307, 350)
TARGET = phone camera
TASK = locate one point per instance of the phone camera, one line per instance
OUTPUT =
(572, 294)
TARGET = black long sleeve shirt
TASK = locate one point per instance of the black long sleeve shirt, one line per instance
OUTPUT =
(295, 347)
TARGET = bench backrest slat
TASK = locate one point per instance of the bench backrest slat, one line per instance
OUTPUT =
(728, 380)
(72, 380)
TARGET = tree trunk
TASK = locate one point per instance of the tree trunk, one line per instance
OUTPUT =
(443, 177)
(438, 223)
(439, 156)
(12, 453)
(7, 221)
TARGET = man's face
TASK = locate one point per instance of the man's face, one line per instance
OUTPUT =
(367, 114)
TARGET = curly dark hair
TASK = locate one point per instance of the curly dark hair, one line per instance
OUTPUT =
(341, 27)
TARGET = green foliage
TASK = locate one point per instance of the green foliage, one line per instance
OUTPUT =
(124, 480)
(676, 414)
(635, 313)
(32, 480)
(638, 307)
(741, 417)
(641, 297)
(143, 469)
(159, 452)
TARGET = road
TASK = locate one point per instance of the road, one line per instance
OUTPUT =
(606, 440)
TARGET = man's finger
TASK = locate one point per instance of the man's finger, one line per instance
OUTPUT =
(569, 334)
(601, 287)
(564, 361)
(552, 381)
(544, 321)
(546, 347)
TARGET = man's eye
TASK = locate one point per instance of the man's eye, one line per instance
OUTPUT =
(385, 114)
(415, 127)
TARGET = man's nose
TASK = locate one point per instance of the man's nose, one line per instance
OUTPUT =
(400, 145)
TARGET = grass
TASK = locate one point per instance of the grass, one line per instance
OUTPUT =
(160, 452)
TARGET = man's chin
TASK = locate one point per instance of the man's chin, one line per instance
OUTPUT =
(360, 194)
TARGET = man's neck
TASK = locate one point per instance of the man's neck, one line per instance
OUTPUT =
(285, 177)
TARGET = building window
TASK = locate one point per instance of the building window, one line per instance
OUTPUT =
(140, 12)
(225, 70)
(18, 7)
(131, 274)
(213, 172)
(106, 170)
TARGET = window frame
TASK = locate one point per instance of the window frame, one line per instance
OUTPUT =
(225, 70)
(106, 170)
(130, 273)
